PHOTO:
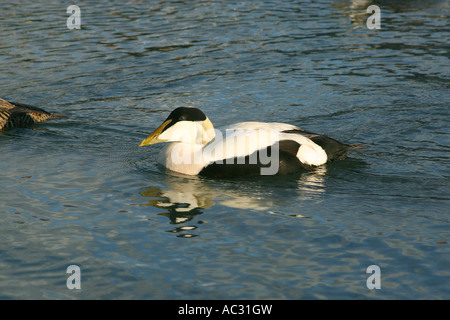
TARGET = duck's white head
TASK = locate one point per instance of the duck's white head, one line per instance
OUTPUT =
(184, 124)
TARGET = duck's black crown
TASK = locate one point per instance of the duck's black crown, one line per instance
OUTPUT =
(186, 114)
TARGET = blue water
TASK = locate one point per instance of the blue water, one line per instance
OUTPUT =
(79, 191)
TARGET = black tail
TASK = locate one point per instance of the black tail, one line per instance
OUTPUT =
(335, 149)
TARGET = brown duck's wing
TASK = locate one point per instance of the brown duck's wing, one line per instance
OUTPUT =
(12, 118)
(19, 119)
(37, 114)
(14, 114)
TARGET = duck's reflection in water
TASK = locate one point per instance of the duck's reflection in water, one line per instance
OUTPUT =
(184, 197)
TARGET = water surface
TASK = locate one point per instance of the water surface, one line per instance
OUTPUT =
(80, 190)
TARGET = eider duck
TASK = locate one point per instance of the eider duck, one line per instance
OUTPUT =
(243, 149)
(13, 114)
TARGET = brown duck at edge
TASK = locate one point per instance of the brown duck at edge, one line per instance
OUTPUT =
(14, 115)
